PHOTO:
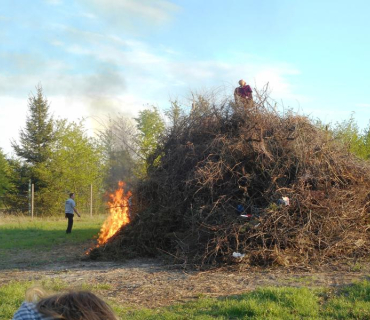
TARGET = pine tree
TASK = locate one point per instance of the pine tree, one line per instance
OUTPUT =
(36, 138)
(5, 174)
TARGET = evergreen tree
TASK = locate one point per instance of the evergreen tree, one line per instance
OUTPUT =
(175, 115)
(58, 157)
(36, 138)
(5, 175)
(17, 196)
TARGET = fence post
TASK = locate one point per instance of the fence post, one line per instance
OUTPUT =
(29, 197)
(91, 200)
(32, 198)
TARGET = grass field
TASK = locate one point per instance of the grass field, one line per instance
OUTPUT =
(22, 234)
(352, 302)
(17, 233)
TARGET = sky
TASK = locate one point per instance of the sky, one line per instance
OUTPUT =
(97, 58)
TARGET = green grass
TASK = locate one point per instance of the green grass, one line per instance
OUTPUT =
(23, 233)
(350, 302)
(12, 294)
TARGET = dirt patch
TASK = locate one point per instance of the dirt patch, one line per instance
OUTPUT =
(150, 283)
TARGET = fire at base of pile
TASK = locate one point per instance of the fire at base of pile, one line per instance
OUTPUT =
(217, 188)
(119, 216)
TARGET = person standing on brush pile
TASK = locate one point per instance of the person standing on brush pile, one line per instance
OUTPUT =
(243, 94)
(70, 209)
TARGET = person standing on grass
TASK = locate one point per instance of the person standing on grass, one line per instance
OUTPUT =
(70, 209)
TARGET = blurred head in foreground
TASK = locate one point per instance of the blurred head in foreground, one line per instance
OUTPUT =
(74, 305)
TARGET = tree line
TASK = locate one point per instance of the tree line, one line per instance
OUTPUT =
(59, 157)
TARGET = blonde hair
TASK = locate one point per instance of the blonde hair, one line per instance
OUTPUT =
(242, 82)
(73, 305)
(34, 294)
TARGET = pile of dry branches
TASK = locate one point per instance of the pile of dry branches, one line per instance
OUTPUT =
(224, 161)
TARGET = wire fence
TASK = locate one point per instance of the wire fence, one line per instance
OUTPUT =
(89, 201)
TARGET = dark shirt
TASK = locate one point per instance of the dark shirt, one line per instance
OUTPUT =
(244, 92)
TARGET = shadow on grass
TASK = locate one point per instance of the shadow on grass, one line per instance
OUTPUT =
(33, 246)
(35, 238)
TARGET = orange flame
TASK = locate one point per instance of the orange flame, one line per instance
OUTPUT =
(119, 214)
(118, 217)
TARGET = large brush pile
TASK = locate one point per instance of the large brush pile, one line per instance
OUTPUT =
(224, 161)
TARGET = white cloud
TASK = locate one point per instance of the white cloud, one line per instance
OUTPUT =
(159, 69)
(13, 112)
(276, 80)
(135, 14)
(363, 105)
(124, 65)
(125, 74)
(215, 73)
(158, 11)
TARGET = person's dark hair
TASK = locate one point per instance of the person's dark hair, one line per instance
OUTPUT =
(80, 305)
(71, 194)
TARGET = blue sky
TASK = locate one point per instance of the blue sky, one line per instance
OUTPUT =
(100, 57)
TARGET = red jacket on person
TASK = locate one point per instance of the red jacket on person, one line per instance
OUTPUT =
(244, 91)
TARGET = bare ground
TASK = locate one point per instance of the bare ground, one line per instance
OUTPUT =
(150, 283)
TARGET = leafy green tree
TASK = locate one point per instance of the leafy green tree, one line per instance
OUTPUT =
(58, 157)
(150, 126)
(36, 138)
(348, 133)
(75, 163)
(366, 140)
